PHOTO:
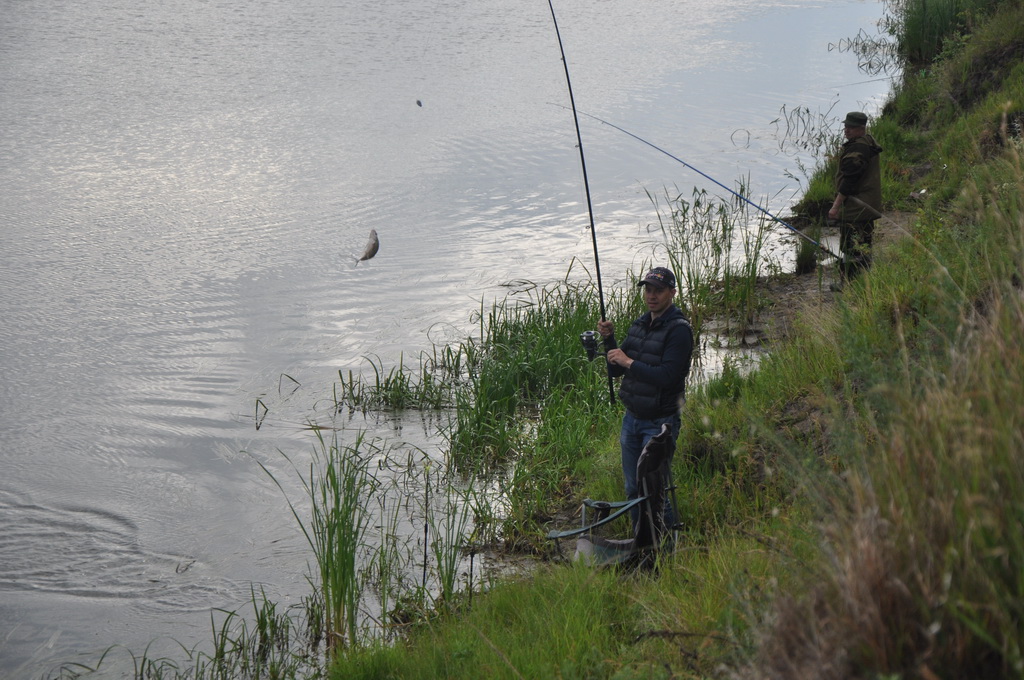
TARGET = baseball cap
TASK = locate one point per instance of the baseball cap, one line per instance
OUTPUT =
(659, 277)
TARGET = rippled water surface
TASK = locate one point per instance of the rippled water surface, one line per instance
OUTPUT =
(185, 187)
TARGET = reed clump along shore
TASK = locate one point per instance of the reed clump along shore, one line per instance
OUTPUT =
(853, 507)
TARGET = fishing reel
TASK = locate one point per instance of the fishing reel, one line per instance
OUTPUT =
(589, 340)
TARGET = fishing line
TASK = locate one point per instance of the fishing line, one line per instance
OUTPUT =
(864, 82)
(586, 182)
(427, 44)
(709, 177)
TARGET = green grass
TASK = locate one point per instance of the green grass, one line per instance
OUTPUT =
(925, 29)
(574, 622)
(922, 547)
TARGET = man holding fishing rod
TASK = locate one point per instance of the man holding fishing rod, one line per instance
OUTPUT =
(653, 361)
(858, 201)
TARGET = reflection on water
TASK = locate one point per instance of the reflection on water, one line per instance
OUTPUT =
(185, 187)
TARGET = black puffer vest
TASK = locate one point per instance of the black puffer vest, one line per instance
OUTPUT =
(644, 399)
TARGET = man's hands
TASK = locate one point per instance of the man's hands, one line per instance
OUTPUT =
(833, 212)
(619, 358)
(614, 356)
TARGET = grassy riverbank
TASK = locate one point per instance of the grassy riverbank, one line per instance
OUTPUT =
(854, 506)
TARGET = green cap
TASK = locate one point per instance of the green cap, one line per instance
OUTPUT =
(856, 119)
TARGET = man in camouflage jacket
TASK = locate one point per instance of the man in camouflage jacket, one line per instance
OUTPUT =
(858, 201)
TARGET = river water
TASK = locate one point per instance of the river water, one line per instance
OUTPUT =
(185, 187)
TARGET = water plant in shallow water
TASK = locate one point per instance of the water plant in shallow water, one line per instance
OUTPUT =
(272, 643)
(717, 252)
(390, 562)
(529, 348)
(360, 529)
(338, 485)
(431, 386)
(450, 526)
(526, 397)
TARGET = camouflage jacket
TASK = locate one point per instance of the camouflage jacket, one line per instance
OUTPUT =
(860, 175)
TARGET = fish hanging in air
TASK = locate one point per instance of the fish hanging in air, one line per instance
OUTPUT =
(372, 246)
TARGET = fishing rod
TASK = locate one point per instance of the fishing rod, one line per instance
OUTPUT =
(586, 183)
(705, 175)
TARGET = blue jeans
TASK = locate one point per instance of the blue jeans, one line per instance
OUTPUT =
(635, 434)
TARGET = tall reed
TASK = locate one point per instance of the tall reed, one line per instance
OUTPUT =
(450, 525)
(338, 485)
(718, 252)
(390, 563)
